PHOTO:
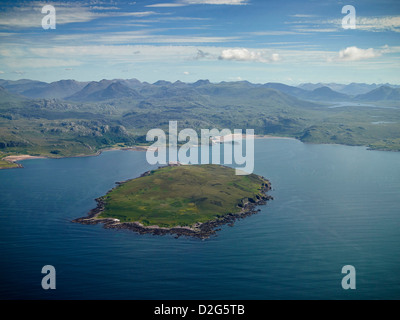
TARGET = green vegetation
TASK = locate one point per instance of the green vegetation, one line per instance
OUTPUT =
(6, 164)
(376, 128)
(181, 196)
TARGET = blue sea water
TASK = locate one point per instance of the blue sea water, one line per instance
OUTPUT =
(334, 206)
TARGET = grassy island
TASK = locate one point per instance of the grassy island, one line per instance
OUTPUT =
(173, 199)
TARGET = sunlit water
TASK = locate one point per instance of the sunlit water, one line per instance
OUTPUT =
(334, 206)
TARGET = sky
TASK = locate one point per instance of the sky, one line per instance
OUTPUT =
(287, 41)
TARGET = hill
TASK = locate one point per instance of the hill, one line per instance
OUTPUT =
(104, 90)
(20, 86)
(55, 90)
(352, 89)
(327, 94)
(7, 97)
(381, 94)
(293, 91)
(315, 92)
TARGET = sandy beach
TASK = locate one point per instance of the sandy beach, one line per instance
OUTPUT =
(21, 157)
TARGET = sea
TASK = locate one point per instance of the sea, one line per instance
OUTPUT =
(334, 206)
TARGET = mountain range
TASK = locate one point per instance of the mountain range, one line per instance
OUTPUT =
(352, 89)
(103, 90)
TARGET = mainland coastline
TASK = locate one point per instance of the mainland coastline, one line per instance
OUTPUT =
(14, 159)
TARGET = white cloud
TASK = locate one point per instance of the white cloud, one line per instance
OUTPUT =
(186, 73)
(247, 55)
(303, 15)
(119, 53)
(183, 3)
(356, 54)
(142, 36)
(30, 15)
(275, 57)
(104, 8)
(166, 5)
(137, 14)
(7, 34)
(219, 2)
(1, 72)
(376, 24)
(72, 56)
(275, 33)
(371, 24)
(318, 30)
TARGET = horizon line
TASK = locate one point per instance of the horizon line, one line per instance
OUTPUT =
(224, 81)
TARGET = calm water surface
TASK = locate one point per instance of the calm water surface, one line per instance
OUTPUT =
(334, 206)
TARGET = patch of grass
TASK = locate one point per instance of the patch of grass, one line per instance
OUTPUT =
(7, 165)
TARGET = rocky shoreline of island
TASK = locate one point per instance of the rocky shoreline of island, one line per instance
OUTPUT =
(246, 208)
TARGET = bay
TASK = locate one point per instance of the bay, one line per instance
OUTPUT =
(334, 206)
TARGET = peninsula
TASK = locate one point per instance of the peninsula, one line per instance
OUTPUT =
(181, 200)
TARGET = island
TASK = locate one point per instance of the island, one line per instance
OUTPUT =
(182, 200)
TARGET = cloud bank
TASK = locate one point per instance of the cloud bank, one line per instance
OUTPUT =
(220, 2)
(247, 55)
(356, 54)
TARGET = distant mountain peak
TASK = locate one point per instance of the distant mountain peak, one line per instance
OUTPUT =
(323, 89)
(382, 93)
(104, 90)
(201, 83)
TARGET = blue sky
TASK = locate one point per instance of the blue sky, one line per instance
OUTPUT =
(288, 41)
